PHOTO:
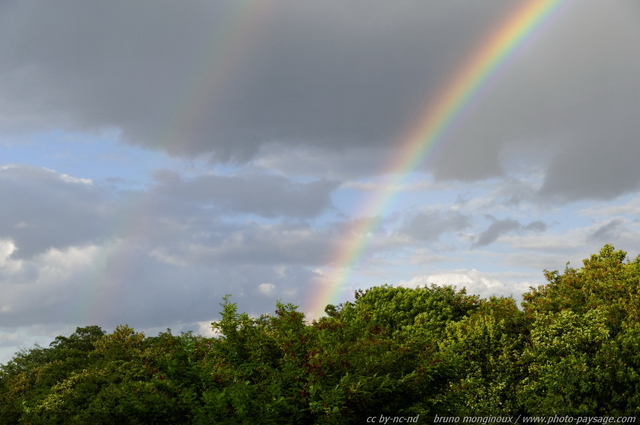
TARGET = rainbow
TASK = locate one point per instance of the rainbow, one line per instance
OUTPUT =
(431, 128)
(227, 47)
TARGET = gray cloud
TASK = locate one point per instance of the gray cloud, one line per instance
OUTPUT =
(430, 225)
(496, 229)
(604, 170)
(300, 74)
(251, 243)
(607, 233)
(331, 79)
(298, 96)
(501, 227)
(79, 251)
(259, 194)
(94, 285)
(44, 209)
(536, 226)
(351, 162)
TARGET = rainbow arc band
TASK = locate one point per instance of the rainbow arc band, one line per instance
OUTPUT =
(506, 42)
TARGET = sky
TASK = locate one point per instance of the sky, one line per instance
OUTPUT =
(158, 155)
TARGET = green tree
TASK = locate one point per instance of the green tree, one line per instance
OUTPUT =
(606, 281)
(573, 349)
(129, 380)
(382, 352)
(583, 337)
(254, 371)
(488, 345)
(566, 358)
(28, 378)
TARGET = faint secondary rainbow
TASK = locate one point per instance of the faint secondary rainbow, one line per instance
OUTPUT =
(227, 47)
(431, 128)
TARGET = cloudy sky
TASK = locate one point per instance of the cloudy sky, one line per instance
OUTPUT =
(157, 155)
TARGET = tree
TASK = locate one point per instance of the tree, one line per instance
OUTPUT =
(583, 338)
(488, 346)
(28, 378)
(573, 349)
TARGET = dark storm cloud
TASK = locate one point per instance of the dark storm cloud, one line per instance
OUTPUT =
(215, 79)
(569, 102)
(604, 170)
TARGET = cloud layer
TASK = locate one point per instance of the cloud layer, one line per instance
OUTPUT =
(230, 81)
(253, 136)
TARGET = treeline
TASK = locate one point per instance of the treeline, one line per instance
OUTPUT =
(572, 349)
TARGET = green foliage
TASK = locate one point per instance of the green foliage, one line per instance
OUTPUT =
(488, 345)
(395, 308)
(583, 335)
(27, 379)
(564, 377)
(605, 282)
(380, 354)
(573, 349)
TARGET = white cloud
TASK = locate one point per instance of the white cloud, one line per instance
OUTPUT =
(8, 265)
(205, 329)
(475, 282)
(47, 288)
(267, 288)
(70, 179)
(7, 247)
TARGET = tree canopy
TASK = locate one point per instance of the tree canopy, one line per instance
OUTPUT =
(572, 348)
